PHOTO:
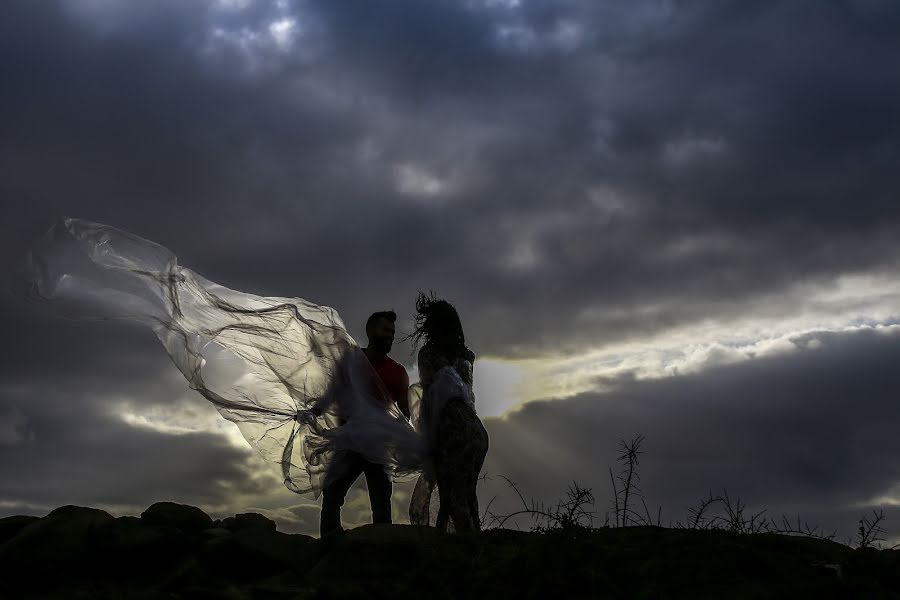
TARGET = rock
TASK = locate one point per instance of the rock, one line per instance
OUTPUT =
(61, 543)
(144, 551)
(10, 526)
(216, 533)
(287, 585)
(84, 553)
(242, 521)
(381, 534)
(135, 550)
(836, 568)
(230, 558)
(127, 534)
(365, 553)
(296, 552)
(186, 518)
(255, 553)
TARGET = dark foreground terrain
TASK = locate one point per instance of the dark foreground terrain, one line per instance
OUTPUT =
(177, 551)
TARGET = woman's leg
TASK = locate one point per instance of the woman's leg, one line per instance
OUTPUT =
(457, 445)
(420, 503)
(473, 507)
(480, 450)
(446, 464)
(445, 489)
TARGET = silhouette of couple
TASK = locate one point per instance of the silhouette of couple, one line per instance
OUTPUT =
(443, 412)
(285, 370)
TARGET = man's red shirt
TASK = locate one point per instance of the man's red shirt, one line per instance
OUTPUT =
(394, 377)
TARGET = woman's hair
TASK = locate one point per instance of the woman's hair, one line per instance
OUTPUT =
(437, 322)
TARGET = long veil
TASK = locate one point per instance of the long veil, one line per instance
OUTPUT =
(264, 362)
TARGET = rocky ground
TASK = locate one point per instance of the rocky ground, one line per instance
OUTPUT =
(177, 551)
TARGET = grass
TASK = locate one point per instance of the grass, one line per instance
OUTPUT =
(576, 510)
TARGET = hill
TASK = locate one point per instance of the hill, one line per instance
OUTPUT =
(177, 551)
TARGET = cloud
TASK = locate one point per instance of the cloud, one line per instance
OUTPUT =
(731, 172)
(121, 442)
(15, 428)
(808, 434)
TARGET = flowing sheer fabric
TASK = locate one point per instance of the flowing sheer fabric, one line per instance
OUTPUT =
(264, 362)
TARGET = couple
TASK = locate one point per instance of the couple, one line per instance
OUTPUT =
(287, 372)
(441, 409)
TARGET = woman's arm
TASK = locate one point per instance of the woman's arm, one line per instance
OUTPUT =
(425, 362)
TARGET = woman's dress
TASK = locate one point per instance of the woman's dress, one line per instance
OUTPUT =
(443, 411)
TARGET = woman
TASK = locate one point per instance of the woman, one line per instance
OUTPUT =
(443, 412)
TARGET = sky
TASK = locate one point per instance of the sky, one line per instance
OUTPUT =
(670, 218)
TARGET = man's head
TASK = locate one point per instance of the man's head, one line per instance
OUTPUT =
(380, 330)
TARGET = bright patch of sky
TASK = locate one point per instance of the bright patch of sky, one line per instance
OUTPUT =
(516, 36)
(283, 31)
(235, 5)
(497, 386)
(262, 42)
(850, 303)
(414, 180)
(192, 414)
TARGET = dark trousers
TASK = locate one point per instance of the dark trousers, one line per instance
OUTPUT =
(379, 483)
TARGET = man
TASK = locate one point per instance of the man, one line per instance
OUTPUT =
(380, 330)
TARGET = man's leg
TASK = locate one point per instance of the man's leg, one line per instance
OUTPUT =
(379, 484)
(333, 496)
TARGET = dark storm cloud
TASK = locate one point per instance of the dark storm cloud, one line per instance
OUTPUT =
(78, 451)
(764, 137)
(66, 348)
(761, 138)
(806, 434)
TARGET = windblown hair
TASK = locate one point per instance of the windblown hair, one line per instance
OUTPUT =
(383, 314)
(437, 322)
